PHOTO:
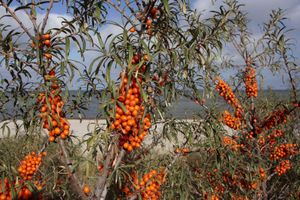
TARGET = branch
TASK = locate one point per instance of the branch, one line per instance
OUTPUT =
(31, 17)
(110, 161)
(73, 178)
(120, 11)
(45, 20)
(292, 81)
(115, 164)
(13, 14)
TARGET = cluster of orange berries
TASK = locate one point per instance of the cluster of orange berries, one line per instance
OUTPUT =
(218, 189)
(283, 167)
(43, 41)
(239, 180)
(226, 92)
(272, 138)
(39, 185)
(149, 21)
(209, 196)
(132, 122)
(250, 82)
(182, 151)
(284, 150)
(153, 16)
(262, 173)
(6, 191)
(131, 119)
(52, 116)
(276, 118)
(148, 186)
(228, 141)
(137, 58)
(30, 165)
(231, 121)
(229, 180)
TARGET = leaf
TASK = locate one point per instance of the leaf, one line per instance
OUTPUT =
(22, 8)
(67, 46)
(100, 41)
(167, 7)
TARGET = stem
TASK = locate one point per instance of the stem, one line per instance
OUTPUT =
(76, 185)
(13, 14)
(286, 63)
(120, 11)
(45, 20)
(31, 17)
(103, 178)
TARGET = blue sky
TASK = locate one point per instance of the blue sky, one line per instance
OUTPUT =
(258, 12)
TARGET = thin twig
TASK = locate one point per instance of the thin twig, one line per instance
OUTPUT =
(45, 20)
(13, 15)
(292, 81)
(120, 11)
(32, 19)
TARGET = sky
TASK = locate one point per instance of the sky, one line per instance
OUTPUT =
(258, 12)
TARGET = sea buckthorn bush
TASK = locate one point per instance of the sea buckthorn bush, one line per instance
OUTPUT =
(168, 124)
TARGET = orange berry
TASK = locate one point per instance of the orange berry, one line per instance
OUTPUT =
(57, 131)
(48, 56)
(47, 43)
(86, 190)
(149, 22)
(132, 30)
(51, 139)
(46, 37)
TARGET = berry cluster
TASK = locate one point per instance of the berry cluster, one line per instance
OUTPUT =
(44, 41)
(130, 118)
(283, 167)
(148, 21)
(132, 122)
(52, 115)
(148, 186)
(182, 150)
(153, 16)
(30, 165)
(226, 92)
(272, 138)
(274, 119)
(228, 141)
(250, 82)
(238, 179)
(231, 121)
(262, 173)
(284, 150)
(39, 185)
(6, 189)
(218, 189)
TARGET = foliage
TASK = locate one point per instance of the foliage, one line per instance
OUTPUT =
(164, 51)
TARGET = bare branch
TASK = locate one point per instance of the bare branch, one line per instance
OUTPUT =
(45, 20)
(13, 14)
